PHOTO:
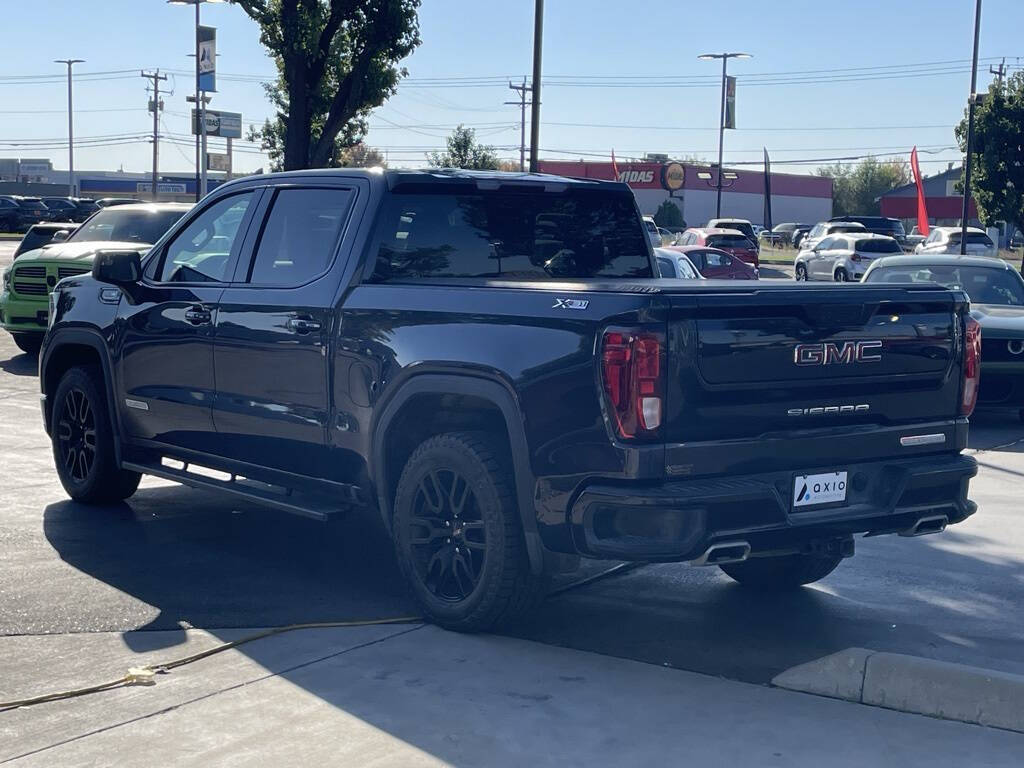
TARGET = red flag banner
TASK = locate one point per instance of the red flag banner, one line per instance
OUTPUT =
(615, 168)
(922, 209)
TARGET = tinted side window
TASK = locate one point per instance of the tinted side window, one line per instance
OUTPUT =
(201, 252)
(717, 259)
(299, 235)
(665, 267)
(510, 235)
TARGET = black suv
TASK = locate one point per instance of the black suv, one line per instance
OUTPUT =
(880, 225)
(18, 213)
(490, 363)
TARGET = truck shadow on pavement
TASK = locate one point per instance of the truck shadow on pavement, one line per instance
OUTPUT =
(20, 365)
(206, 563)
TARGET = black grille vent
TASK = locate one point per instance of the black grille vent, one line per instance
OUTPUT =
(30, 272)
(31, 289)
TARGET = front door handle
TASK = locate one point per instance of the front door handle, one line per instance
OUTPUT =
(302, 324)
(198, 315)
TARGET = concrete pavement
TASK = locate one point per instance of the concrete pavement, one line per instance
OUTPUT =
(421, 696)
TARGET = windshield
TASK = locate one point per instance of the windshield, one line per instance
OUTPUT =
(984, 285)
(727, 241)
(888, 245)
(132, 226)
(973, 238)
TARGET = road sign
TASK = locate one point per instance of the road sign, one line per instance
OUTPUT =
(207, 59)
(216, 161)
(170, 187)
(225, 124)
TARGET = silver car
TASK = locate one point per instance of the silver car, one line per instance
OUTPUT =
(843, 257)
(676, 264)
(946, 240)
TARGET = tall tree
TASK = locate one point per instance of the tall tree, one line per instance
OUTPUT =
(856, 189)
(997, 158)
(336, 60)
(361, 156)
(464, 152)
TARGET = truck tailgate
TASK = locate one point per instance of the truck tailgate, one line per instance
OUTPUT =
(759, 363)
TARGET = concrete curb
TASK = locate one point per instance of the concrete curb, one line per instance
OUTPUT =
(913, 684)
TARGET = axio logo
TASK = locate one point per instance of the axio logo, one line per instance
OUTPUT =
(834, 354)
(636, 177)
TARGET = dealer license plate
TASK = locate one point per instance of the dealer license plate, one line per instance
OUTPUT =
(824, 488)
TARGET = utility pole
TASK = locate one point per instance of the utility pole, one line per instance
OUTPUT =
(71, 126)
(155, 106)
(522, 103)
(538, 35)
(970, 132)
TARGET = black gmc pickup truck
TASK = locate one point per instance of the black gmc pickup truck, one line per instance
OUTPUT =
(488, 361)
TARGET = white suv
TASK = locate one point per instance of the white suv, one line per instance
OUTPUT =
(823, 229)
(844, 257)
(947, 240)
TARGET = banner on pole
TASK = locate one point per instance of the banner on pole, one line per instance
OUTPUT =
(767, 191)
(207, 59)
(730, 101)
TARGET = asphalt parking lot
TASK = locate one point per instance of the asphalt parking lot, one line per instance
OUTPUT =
(172, 558)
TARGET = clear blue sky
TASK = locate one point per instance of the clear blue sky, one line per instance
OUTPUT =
(866, 108)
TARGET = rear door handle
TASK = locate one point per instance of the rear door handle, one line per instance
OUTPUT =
(198, 315)
(302, 324)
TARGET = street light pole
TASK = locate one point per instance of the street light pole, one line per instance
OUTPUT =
(970, 132)
(71, 126)
(721, 118)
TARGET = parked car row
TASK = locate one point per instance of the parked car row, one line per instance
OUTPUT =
(19, 212)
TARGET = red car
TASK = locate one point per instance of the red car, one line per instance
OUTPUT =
(716, 264)
(732, 241)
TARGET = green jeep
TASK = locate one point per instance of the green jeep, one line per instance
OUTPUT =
(27, 283)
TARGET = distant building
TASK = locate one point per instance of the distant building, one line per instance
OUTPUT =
(944, 203)
(795, 197)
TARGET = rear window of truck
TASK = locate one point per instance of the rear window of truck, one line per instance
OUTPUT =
(510, 235)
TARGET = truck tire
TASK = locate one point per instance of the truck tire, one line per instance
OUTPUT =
(28, 343)
(841, 276)
(83, 440)
(782, 572)
(458, 538)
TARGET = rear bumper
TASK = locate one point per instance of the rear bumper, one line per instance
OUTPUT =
(682, 519)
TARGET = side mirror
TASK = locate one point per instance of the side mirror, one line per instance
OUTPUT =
(60, 236)
(120, 268)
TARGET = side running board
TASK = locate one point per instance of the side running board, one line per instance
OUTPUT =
(301, 503)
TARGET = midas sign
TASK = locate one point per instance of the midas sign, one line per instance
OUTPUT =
(636, 177)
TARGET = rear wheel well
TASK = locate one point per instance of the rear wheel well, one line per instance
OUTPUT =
(63, 359)
(428, 414)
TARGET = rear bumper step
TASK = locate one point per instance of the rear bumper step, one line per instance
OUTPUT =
(697, 520)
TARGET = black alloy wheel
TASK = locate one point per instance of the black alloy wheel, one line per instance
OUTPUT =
(76, 432)
(447, 536)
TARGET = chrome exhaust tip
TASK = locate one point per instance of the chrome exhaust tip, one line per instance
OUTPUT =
(926, 525)
(725, 552)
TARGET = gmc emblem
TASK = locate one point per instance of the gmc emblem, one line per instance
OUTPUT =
(834, 354)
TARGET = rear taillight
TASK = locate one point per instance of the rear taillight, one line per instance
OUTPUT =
(631, 372)
(855, 257)
(972, 366)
